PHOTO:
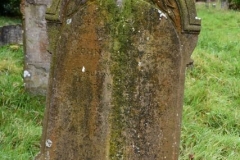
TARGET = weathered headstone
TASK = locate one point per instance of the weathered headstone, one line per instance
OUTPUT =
(37, 58)
(224, 4)
(207, 3)
(11, 34)
(117, 79)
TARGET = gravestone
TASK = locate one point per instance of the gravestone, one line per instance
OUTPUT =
(117, 79)
(11, 34)
(224, 4)
(37, 57)
(207, 3)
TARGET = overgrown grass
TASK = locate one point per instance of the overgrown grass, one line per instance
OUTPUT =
(20, 113)
(211, 118)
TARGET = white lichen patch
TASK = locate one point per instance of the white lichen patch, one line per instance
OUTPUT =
(197, 18)
(119, 3)
(83, 69)
(26, 74)
(161, 14)
(69, 21)
(48, 143)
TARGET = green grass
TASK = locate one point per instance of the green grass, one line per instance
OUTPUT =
(211, 118)
(20, 113)
(4, 21)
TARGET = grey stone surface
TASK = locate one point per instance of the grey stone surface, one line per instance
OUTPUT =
(11, 34)
(37, 58)
(224, 4)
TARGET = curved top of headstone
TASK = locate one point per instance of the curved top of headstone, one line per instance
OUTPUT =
(183, 9)
(182, 13)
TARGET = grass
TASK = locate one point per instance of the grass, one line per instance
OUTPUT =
(20, 113)
(4, 21)
(210, 127)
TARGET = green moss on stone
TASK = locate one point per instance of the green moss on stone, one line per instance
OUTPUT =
(120, 30)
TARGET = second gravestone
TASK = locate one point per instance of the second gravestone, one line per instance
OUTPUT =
(37, 57)
(117, 80)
